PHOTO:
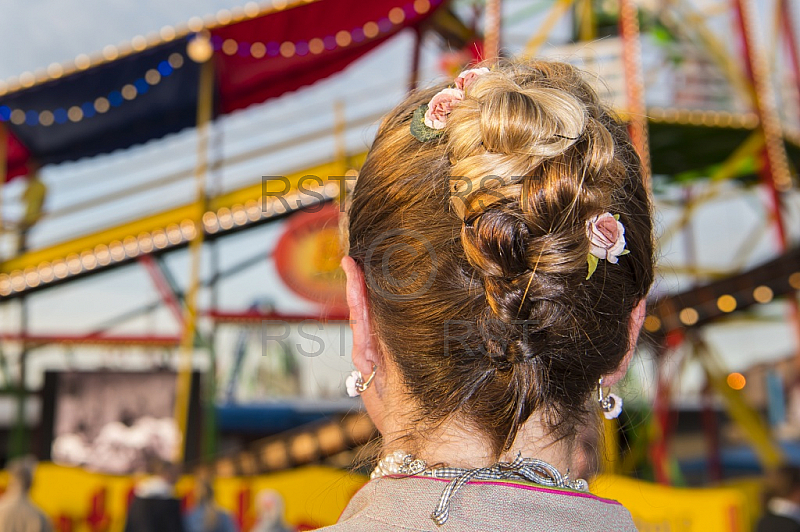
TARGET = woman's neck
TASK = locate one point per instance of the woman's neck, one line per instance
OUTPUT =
(453, 445)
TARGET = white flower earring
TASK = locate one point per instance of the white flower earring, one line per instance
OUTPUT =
(611, 404)
(355, 383)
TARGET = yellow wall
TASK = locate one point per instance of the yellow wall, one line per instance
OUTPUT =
(659, 508)
(317, 495)
(313, 495)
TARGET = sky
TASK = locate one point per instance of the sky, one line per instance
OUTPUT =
(39, 32)
(35, 33)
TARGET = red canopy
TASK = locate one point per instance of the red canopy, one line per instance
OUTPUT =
(151, 93)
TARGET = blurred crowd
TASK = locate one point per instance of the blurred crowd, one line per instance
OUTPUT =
(154, 507)
(781, 501)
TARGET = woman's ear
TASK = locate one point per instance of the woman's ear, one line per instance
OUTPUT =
(634, 327)
(364, 353)
(366, 356)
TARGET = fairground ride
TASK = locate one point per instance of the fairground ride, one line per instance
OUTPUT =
(728, 123)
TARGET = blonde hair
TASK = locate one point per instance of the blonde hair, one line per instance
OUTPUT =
(474, 249)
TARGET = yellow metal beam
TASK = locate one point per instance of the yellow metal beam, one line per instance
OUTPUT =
(183, 386)
(753, 427)
(683, 20)
(556, 12)
(161, 220)
(733, 164)
(729, 169)
(586, 18)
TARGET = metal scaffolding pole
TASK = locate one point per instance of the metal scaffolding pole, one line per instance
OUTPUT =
(491, 39)
(775, 172)
(634, 82)
(184, 384)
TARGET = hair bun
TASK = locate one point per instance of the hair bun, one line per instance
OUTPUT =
(532, 121)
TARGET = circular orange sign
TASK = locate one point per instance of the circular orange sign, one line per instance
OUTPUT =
(307, 257)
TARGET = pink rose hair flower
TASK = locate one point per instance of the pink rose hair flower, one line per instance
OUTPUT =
(429, 120)
(606, 237)
(466, 78)
(440, 106)
(606, 240)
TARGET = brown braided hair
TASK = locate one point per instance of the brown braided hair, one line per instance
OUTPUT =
(474, 250)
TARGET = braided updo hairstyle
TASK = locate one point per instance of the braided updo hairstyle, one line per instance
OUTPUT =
(474, 250)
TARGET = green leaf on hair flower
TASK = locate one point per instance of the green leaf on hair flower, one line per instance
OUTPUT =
(419, 130)
(593, 261)
(624, 252)
(616, 217)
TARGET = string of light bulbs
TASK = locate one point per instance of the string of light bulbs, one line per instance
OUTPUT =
(140, 43)
(134, 245)
(341, 39)
(196, 25)
(130, 91)
(100, 105)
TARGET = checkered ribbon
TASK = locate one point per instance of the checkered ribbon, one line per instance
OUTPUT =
(530, 469)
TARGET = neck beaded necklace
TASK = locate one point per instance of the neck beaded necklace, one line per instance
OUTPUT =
(531, 469)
